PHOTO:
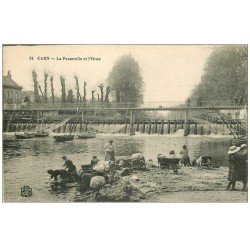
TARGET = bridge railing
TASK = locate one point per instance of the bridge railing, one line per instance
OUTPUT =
(99, 105)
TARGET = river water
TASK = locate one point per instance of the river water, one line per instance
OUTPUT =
(25, 162)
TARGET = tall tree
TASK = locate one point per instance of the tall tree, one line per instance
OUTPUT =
(225, 77)
(125, 81)
(92, 95)
(70, 97)
(78, 96)
(52, 89)
(63, 98)
(37, 98)
(107, 94)
(84, 92)
(40, 89)
(101, 87)
(45, 87)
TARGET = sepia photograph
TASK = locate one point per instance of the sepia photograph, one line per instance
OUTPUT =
(125, 123)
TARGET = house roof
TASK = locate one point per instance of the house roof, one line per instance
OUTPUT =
(8, 82)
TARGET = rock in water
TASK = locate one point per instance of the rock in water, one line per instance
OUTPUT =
(97, 182)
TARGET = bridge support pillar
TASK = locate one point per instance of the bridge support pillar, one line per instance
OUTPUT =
(131, 122)
(186, 132)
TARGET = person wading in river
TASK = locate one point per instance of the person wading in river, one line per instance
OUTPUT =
(68, 164)
(109, 151)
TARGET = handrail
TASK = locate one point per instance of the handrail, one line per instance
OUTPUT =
(133, 109)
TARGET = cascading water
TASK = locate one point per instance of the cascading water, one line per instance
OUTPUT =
(146, 128)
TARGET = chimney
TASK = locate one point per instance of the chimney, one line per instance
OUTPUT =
(9, 74)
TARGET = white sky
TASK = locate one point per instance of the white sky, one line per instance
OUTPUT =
(170, 72)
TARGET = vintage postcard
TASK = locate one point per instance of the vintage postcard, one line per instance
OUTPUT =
(124, 123)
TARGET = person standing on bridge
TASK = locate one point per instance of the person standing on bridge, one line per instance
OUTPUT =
(109, 151)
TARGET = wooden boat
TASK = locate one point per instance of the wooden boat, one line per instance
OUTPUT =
(41, 134)
(61, 138)
(25, 136)
(86, 135)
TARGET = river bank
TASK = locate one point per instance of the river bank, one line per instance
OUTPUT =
(161, 185)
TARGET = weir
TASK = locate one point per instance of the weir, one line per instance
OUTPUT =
(166, 127)
(187, 124)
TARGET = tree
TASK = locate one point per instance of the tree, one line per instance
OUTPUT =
(37, 98)
(40, 89)
(225, 77)
(52, 89)
(125, 81)
(92, 95)
(45, 88)
(63, 99)
(78, 96)
(70, 97)
(84, 92)
(101, 87)
(26, 99)
(107, 95)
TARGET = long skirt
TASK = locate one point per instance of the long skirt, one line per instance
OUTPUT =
(110, 156)
(186, 160)
(237, 173)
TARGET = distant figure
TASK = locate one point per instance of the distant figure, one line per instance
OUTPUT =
(199, 161)
(109, 151)
(150, 163)
(233, 161)
(188, 102)
(68, 164)
(85, 169)
(94, 161)
(204, 161)
(172, 154)
(185, 157)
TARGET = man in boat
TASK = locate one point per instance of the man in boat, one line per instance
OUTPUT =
(109, 151)
(68, 164)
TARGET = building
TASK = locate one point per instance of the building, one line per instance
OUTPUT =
(12, 93)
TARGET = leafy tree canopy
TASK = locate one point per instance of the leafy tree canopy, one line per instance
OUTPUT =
(125, 80)
(225, 76)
